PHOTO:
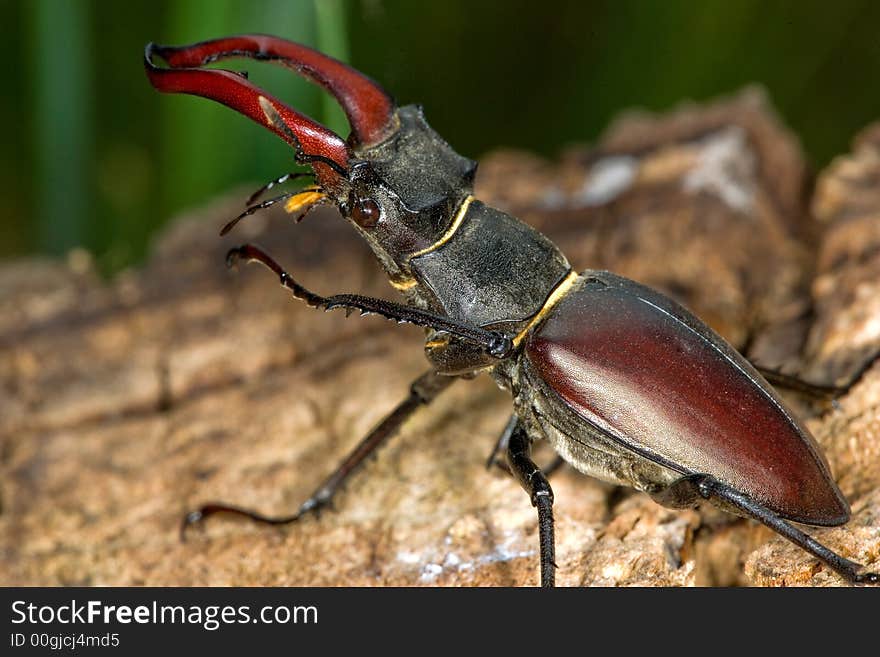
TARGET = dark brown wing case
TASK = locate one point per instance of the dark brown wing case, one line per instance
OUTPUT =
(657, 380)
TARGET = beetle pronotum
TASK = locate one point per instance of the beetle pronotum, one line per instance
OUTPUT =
(610, 372)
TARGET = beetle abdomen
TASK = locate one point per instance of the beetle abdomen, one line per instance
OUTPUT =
(654, 378)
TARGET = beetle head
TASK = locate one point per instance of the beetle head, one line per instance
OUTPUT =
(394, 178)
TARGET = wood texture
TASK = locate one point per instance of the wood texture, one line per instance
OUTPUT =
(124, 404)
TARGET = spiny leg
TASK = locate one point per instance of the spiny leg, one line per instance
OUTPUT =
(691, 487)
(501, 447)
(534, 482)
(422, 392)
(496, 344)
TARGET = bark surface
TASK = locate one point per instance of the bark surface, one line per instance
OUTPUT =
(125, 404)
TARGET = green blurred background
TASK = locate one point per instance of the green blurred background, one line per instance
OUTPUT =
(93, 157)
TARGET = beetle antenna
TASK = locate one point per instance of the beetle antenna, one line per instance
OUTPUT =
(309, 206)
(307, 198)
(280, 180)
(254, 208)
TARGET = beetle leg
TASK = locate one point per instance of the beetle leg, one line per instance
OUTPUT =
(689, 488)
(495, 343)
(816, 391)
(793, 383)
(501, 446)
(422, 392)
(502, 443)
(534, 482)
(680, 494)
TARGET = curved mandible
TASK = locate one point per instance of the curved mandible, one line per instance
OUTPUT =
(369, 108)
(314, 143)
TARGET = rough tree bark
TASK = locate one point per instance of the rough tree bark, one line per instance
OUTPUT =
(125, 404)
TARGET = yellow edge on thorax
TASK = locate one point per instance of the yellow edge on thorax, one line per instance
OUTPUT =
(558, 292)
(407, 283)
(456, 222)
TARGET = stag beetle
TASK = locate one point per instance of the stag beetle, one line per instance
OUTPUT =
(612, 373)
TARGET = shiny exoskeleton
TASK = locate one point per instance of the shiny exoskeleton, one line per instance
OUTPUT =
(624, 383)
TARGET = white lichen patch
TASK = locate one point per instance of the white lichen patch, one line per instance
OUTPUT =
(607, 179)
(430, 572)
(726, 168)
(434, 567)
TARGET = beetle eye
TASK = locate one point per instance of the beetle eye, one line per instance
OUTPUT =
(365, 212)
